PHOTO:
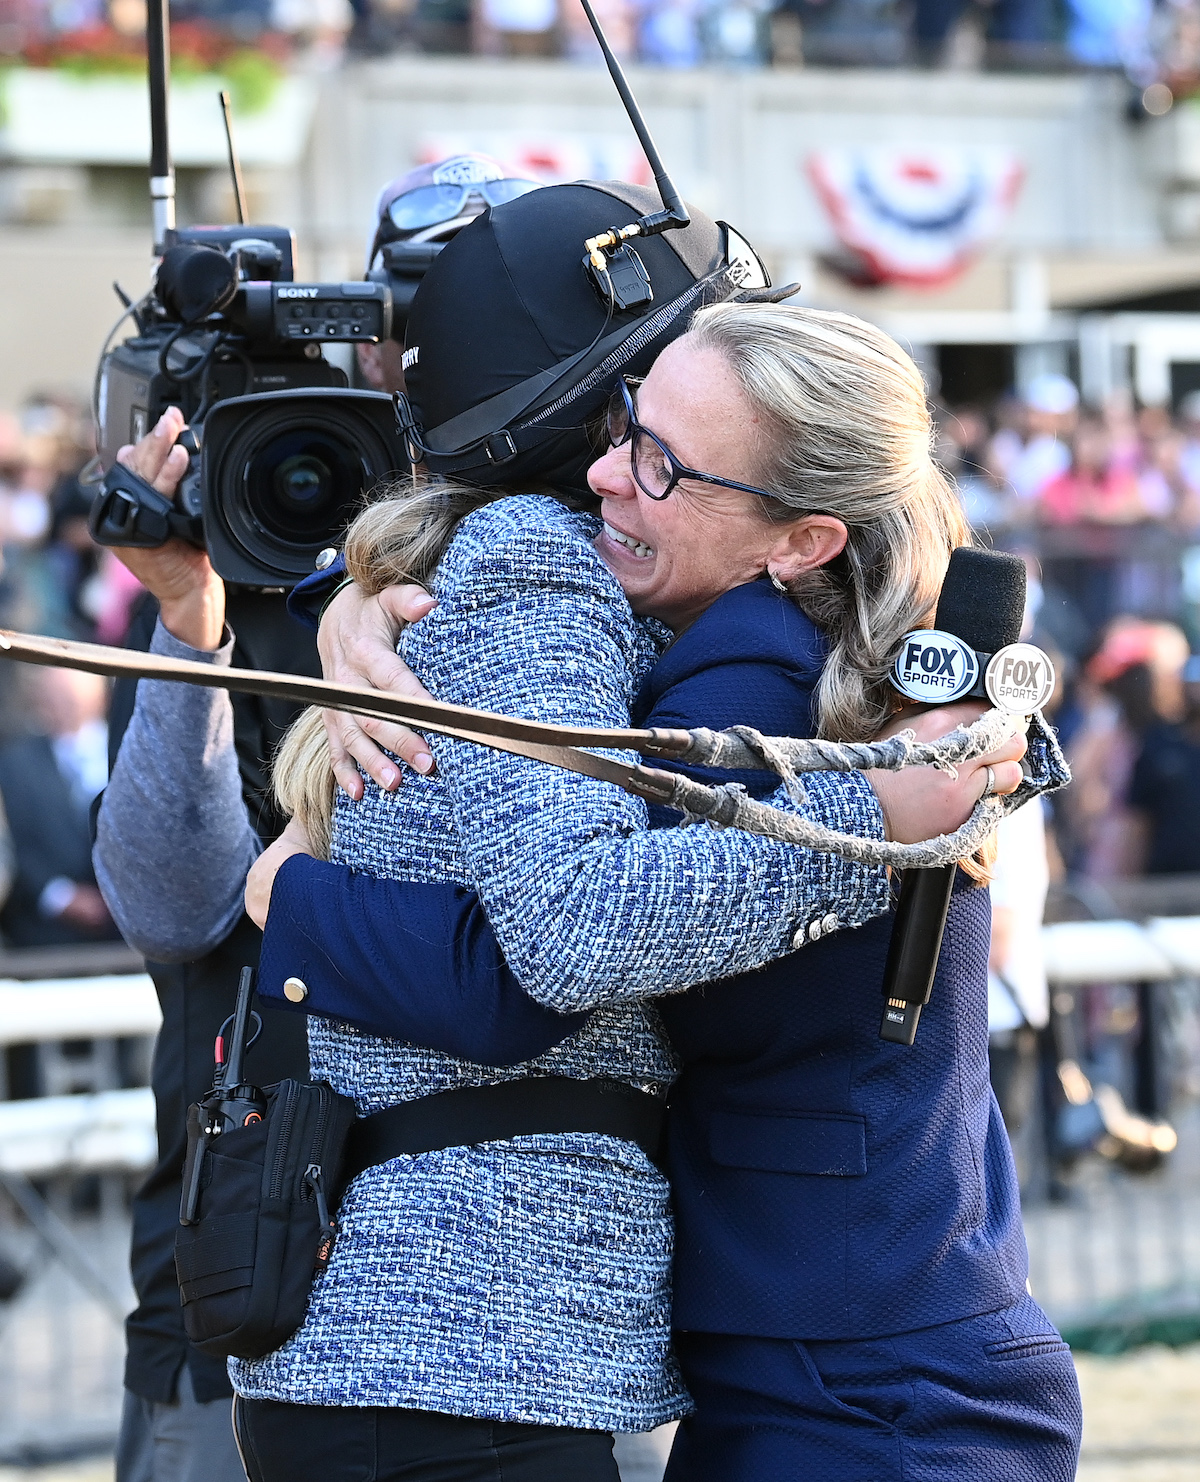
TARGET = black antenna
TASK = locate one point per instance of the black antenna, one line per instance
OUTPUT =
(235, 168)
(162, 175)
(676, 211)
(675, 214)
(235, 1054)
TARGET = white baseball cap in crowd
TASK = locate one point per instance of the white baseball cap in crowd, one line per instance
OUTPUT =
(1051, 393)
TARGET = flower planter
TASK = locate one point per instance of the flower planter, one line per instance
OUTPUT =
(52, 116)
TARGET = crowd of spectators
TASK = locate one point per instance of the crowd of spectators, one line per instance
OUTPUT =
(1155, 42)
(1105, 504)
(53, 733)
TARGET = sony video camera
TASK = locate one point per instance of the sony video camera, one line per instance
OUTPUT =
(282, 451)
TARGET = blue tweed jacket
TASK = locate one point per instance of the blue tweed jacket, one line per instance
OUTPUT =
(528, 1280)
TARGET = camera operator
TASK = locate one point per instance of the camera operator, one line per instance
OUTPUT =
(185, 814)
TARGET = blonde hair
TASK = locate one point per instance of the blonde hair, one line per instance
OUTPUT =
(399, 537)
(848, 433)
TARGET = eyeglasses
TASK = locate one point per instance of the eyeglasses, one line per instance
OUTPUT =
(655, 468)
(429, 204)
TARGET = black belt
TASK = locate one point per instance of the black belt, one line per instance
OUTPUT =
(474, 1114)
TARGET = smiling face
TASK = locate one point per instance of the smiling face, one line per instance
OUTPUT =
(674, 557)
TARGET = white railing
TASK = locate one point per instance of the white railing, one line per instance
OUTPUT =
(78, 1008)
(1165, 947)
(61, 1355)
(108, 1131)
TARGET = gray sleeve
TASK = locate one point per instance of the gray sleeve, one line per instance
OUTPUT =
(173, 837)
(8, 861)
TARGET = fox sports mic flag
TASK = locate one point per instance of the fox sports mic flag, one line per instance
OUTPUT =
(915, 216)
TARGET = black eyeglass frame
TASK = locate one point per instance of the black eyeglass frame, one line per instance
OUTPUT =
(679, 471)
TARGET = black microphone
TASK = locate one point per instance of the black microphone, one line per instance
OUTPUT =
(980, 612)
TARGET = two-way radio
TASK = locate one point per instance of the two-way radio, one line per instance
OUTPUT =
(233, 1101)
(615, 268)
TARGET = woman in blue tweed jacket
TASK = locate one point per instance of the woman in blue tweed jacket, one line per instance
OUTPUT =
(526, 1282)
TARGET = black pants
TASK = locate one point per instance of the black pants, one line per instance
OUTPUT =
(332, 1443)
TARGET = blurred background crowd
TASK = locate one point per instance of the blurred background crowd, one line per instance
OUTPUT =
(1155, 42)
(53, 732)
(1104, 503)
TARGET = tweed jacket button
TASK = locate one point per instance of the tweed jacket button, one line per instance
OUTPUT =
(814, 931)
(830, 923)
(799, 939)
(326, 558)
(295, 989)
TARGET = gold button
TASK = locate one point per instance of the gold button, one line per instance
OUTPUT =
(295, 989)
(326, 558)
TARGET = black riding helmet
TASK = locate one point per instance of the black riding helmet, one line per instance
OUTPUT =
(512, 351)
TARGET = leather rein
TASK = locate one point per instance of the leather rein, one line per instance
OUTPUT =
(557, 745)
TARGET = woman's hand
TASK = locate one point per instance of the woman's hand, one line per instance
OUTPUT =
(921, 802)
(191, 596)
(357, 644)
(261, 879)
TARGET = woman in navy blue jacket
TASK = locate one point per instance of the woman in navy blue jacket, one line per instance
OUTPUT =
(850, 1269)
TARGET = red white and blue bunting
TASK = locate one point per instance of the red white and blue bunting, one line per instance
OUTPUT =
(915, 216)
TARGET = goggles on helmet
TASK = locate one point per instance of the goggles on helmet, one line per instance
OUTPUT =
(429, 204)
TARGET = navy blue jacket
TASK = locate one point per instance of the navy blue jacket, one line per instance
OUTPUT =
(827, 1185)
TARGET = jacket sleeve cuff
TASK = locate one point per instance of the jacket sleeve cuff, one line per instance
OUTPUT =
(307, 597)
(289, 947)
(843, 893)
(169, 646)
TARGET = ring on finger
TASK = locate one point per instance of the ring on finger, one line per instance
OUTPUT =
(990, 786)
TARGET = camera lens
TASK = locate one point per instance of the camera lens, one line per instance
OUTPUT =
(290, 476)
(301, 479)
(298, 481)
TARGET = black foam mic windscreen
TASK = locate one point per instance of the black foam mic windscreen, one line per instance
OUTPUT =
(983, 598)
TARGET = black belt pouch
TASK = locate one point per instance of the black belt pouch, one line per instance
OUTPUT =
(261, 1226)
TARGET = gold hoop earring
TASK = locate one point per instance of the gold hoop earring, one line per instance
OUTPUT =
(780, 586)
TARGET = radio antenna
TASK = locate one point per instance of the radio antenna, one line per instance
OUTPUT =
(235, 168)
(675, 213)
(162, 174)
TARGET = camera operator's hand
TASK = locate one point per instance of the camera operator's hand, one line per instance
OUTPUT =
(921, 802)
(261, 879)
(191, 596)
(357, 643)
